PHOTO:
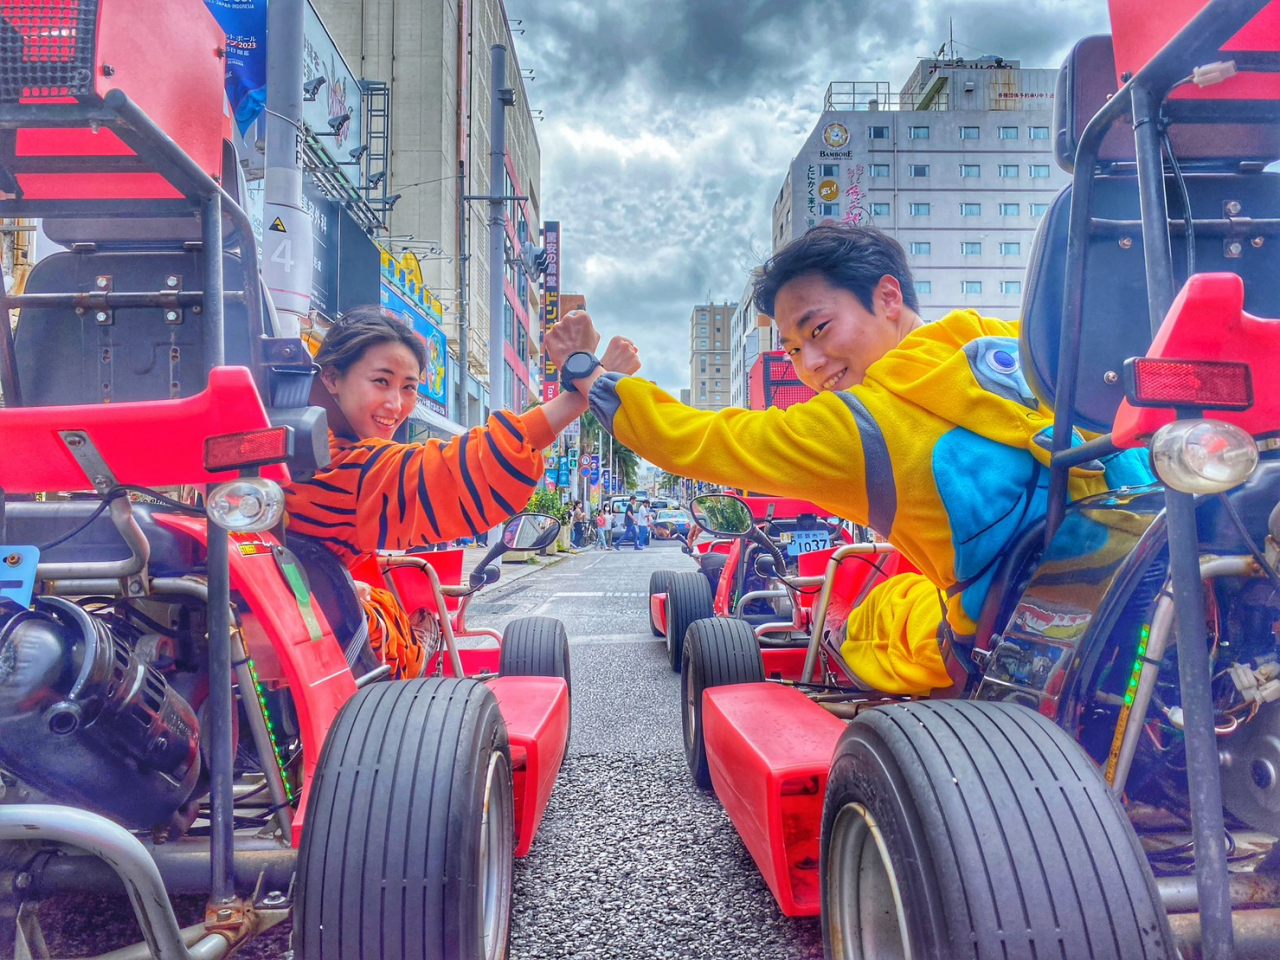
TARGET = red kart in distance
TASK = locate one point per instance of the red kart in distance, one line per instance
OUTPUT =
(187, 695)
(736, 575)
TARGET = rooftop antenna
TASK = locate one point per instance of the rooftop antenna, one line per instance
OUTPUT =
(951, 31)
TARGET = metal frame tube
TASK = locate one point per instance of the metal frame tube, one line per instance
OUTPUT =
(139, 547)
(824, 597)
(123, 852)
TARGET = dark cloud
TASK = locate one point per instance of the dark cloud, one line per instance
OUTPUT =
(671, 124)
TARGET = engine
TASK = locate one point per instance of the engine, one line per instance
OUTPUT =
(86, 720)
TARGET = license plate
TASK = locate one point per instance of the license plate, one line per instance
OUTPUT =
(18, 573)
(807, 541)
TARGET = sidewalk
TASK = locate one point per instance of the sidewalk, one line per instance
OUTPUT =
(511, 572)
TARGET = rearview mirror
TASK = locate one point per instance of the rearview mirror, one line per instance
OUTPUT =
(722, 514)
(530, 531)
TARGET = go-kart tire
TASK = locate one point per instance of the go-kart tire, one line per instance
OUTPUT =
(408, 848)
(658, 583)
(979, 829)
(689, 598)
(535, 647)
(717, 652)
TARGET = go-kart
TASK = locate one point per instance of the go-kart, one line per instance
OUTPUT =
(1102, 777)
(736, 575)
(188, 700)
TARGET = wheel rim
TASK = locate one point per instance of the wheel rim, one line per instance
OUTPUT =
(497, 847)
(690, 715)
(864, 913)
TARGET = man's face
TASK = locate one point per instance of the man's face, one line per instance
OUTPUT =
(829, 335)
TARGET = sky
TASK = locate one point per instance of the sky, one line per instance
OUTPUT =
(670, 124)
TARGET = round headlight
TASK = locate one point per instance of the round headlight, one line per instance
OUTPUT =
(248, 505)
(1203, 456)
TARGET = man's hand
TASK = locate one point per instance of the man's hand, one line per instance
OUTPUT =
(621, 356)
(571, 333)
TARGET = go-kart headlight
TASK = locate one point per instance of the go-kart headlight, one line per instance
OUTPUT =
(247, 505)
(1203, 456)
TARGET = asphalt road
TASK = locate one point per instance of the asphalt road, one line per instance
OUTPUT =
(632, 860)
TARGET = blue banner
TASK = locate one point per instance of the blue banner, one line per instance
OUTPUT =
(245, 24)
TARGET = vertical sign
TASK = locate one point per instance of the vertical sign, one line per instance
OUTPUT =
(550, 303)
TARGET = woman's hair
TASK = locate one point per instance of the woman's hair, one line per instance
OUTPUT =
(361, 328)
(848, 257)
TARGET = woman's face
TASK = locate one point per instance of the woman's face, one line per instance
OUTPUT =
(378, 391)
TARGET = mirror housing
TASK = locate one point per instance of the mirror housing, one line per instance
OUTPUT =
(530, 531)
(722, 514)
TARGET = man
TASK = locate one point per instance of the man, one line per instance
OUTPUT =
(629, 528)
(642, 521)
(927, 433)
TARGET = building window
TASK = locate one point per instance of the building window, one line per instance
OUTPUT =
(877, 133)
(718, 400)
(879, 169)
(1011, 286)
(970, 286)
(924, 286)
(969, 133)
(718, 344)
(1039, 209)
(1039, 171)
(1006, 133)
(1009, 170)
(919, 209)
(508, 322)
(970, 248)
(702, 344)
(1010, 209)
(970, 170)
(917, 170)
(921, 248)
(828, 209)
(970, 209)
(1037, 133)
(917, 133)
(828, 170)
(702, 331)
(1010, 248)
(880, 209)
(702, 364)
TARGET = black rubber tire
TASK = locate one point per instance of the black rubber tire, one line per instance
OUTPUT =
(689, 598)
(658, 583)
(412, 798)
(535, 647)
(717, 652)
(1002, 837)
(712, 566)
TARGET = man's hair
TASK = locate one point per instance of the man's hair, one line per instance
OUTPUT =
(849, 257)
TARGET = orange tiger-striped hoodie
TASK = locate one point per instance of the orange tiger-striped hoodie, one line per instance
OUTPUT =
(380, 495)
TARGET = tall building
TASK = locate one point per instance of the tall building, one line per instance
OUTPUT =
(957, 166)
(426, 64)
(709, 370)
(750, 334)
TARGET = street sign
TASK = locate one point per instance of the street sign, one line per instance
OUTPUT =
(585, 470)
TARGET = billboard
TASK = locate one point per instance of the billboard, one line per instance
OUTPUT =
(550, 303)
(339, 95)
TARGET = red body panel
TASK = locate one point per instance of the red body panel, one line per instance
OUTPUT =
(167, 56)
(784, 508)
(722, 605)
(768, 749)
(474, 662)
(1207, 322)
(157, 443)
(536, 711)
(786, 663)
(1139, 32)
(315, 670)
(415, 588)
(658, 610)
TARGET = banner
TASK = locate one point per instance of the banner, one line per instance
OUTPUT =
(550, 303)
(245, 24)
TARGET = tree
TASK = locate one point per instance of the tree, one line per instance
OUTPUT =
(626, 462)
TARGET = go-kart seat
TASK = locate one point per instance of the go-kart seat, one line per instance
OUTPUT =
(335, 591)
(1221, 164)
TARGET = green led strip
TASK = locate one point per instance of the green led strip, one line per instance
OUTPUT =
(1122, 722)
(271, 728)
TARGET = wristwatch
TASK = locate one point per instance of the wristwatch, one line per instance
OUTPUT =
(578, 365)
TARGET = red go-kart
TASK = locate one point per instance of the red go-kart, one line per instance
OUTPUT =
(188, 701)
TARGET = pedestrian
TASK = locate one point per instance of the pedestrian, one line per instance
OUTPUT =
(602, 530)
(629, 528)
(642, 521)
(579, 531)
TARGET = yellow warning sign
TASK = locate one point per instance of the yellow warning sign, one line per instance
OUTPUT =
(278, 226)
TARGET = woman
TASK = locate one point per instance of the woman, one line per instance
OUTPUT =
(579, 518)
(377, 494)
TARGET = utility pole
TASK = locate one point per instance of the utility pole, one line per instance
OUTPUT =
(464, 323)
(286, 235)
(502, 97)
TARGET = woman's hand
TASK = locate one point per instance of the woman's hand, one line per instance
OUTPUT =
(621, 356)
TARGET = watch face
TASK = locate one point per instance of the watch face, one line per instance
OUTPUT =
(580, 364)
